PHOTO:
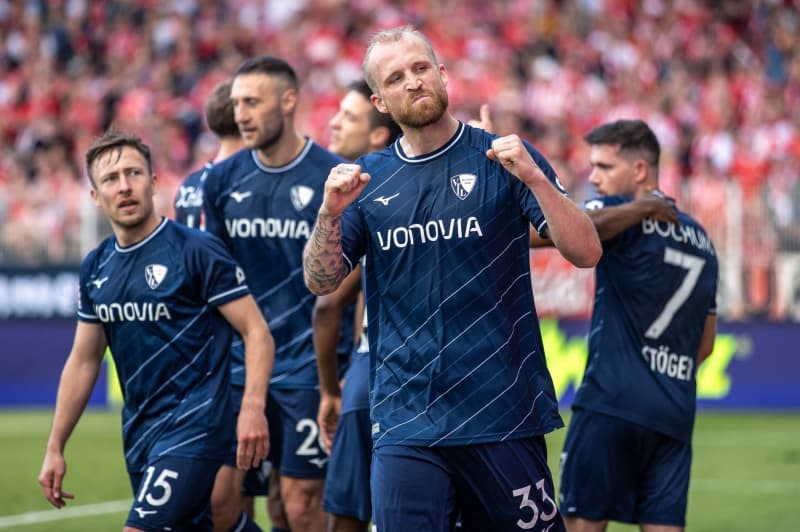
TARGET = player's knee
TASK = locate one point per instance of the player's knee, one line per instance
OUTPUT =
(225, 509)
(302, 502)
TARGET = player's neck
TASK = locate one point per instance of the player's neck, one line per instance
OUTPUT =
(227, 147)
(419, 141)
(284, 151)
(130, 235)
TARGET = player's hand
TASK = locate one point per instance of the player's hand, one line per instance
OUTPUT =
(510, 152)
(53, 470)
(252, 433)
(658, 206)
(328, 417)
(485, 121)
(345, 182)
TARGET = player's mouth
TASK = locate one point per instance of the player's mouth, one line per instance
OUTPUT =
(127, 205)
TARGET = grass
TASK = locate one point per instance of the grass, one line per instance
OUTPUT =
(745, 474)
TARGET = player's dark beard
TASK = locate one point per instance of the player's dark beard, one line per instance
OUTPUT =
(270, 141)
(408, 116)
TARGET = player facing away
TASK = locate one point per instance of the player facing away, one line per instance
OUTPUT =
(231, 506)
(627, 452)
(460, 394)
(188, 201)
(161, 296)
(356, 129)
(262, 202)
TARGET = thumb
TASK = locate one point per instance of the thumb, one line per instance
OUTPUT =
(491, 154)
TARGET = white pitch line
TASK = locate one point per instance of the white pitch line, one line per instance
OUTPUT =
(68, 512)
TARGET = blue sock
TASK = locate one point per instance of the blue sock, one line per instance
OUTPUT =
(246, 524)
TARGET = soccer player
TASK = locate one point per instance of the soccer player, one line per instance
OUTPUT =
(220, 120)
(628, 451)
(161, 295)
(356, 129)
(262, 202)
(460, 395)
(231, 507)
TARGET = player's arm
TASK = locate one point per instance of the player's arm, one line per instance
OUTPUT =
(323, 263)
(568, 226)
(76, 384)
(611, 221)
(259, 356)
(326, 323)
(707, 340)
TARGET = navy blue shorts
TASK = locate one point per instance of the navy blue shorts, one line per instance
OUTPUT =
(496, 486)
(294, 439)
(173, 493)
(612, 469)
(347, 483)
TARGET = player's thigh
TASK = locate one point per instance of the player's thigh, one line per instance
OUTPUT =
(173, 493)
(298, 447)
(347, 482)
(664, 487)
(601, 467)
(505, 486)
(412, 489)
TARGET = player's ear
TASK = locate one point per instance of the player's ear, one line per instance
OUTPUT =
(93, 193)
(288, 101)
(640, 171)
(443, 74)
(154, 181)
(379, 136)
(377, 101)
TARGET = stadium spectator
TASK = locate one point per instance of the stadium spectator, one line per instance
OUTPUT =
(454, 339)
(157, 288)
(356, 129)
(262, 202)
(627, 453)
(703, 75)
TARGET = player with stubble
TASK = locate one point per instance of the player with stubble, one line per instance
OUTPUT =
(162, 297)
(460, 393)
(262, 203)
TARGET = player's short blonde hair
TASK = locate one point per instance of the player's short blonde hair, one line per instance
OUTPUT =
(389, 36)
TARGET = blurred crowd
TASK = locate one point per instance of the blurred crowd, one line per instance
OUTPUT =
(718, 80)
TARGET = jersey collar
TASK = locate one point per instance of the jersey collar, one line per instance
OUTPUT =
(434, 154)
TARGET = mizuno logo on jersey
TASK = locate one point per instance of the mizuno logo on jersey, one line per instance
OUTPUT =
(455, 228)
(132, 311)
(267, 228)
(385, 200)
(462, 184)
(301, 196)
(154, 274)
(99, 282)
(144, 513)
(240, 196)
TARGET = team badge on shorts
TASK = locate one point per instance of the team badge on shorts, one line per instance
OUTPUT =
(462, 184)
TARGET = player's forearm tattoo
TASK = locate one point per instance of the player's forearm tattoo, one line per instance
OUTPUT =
(323, 266)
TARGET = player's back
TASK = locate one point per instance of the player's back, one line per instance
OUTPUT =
(189, 199)
(656, 284)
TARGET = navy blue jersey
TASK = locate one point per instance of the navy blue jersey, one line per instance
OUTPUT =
(656, 285)
(189, 199)
(456, 353)
(265, 215)
(156, 301)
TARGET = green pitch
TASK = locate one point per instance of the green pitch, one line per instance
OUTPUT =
(745, 474)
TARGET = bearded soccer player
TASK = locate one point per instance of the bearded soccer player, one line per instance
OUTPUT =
(461, 397)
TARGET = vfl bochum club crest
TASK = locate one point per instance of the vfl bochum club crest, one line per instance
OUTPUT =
(301, 196)
(462, 184)
(154, 274)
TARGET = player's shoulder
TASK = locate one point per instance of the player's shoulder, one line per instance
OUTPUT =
(321, 156)
(98, 255)
(197, 176)
(240, 160)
